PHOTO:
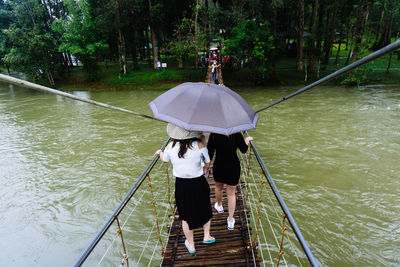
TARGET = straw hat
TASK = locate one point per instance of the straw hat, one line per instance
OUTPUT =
(179, 133)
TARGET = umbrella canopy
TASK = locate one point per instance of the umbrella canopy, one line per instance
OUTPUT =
(214, 48)
(204, 107)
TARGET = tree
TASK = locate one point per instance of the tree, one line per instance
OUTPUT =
(252, 38)
(313, 37)
(300, 32)
(184, 41)
(363, 11)
(34, 45)
(6, 20)
(196, 56)
(152, 16)
(384, 39)
(79, 37)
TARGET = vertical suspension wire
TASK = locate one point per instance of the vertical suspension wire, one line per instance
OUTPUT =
(124, 255)
(156, 245)
(155, 213)
(146, 244)
(123, 227)
(251, 174)
(262, 229)
(248, 223)
(283, 234)
(270, 224)
(258, 207)
(248, 171)
(169, 188)
(253, 216)
(290, 241)
(165, 216)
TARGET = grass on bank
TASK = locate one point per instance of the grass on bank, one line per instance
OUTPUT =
(147, 78)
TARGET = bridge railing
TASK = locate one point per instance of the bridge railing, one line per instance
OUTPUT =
(137, 230)
(136, 233)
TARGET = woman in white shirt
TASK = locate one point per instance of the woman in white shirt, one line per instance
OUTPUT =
(192, 192)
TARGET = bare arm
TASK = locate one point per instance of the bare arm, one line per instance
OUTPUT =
(160, 153)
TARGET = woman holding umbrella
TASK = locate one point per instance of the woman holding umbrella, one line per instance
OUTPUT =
(226, 169)
(192, 192)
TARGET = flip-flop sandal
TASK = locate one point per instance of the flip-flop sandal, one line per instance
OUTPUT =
(210, 241)
(187, 247)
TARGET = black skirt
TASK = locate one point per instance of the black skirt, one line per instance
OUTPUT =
(192, 198)
(227, 174)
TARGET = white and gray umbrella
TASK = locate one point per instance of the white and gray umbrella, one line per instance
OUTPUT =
(204, 107)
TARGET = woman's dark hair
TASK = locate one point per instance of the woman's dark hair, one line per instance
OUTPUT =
(184, 145)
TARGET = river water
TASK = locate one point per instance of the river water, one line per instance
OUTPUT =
(333, 153)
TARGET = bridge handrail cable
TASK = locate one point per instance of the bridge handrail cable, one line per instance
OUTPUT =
(381, 52)
(118, 210)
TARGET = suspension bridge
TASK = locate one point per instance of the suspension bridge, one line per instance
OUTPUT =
(265, 234)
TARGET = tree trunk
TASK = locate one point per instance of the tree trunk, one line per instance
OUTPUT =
(121, 43)
(331, 34)
(337, 60)
(148, 47)
(347, 37)
(154, 44)
(196, 57)
(299, 63)
(359, 26)
(385, 37)
(390, 57)
(274, 32)
(143, 45)
(180, 59)
(153, 39)
(121, 52)
(50, 77)
(320, 29)
(134, 53)
(378, 27)
(207, 23)
(313, 32)
(70, 59)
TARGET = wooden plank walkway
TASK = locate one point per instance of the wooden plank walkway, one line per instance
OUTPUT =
(232, 247)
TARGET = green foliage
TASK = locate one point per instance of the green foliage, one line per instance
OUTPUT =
(184, 42)
(34, 45)
(358, 76)
(37, 37)
(252, 39)
(5, 20)
(78, 38)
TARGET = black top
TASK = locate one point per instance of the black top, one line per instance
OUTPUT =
(226, 165)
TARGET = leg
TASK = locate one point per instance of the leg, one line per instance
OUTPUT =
(219, 190)
(231, 193)
(188, 234)
(206, 228)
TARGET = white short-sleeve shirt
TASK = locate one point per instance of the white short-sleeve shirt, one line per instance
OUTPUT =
(190, 165)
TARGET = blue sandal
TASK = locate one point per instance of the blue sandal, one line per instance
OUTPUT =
(190, 251)
(210, 241)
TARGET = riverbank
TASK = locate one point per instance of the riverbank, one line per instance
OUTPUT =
(147, 78)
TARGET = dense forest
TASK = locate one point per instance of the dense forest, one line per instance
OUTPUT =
(45, 39)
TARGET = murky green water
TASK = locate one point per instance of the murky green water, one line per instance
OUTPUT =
(333, 152)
